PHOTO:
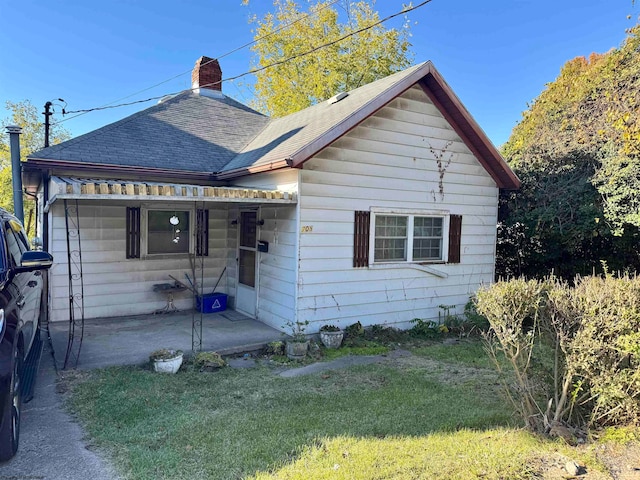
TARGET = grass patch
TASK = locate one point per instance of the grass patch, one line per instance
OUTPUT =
(466, 454)
(467, 352)
(234, 423)
(620, 435)
(371, 349)
(436, 414)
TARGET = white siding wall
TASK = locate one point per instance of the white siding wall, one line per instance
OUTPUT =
(117, 286)
(285, 180)
(277, 268)
(390, 161)
(232, 254)
(277, 273)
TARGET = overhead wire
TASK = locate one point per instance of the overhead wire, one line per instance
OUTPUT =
(248, 44)
(256, 70)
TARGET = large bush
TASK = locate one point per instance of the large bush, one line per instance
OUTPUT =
(577, 152)
(571, 351)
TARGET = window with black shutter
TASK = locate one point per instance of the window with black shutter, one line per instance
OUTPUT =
(455, 236)
(202, 232)
(409, 236)
(133, 232)
(361, 239)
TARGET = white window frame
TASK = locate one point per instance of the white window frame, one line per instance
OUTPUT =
(410, 214)
(144, 228)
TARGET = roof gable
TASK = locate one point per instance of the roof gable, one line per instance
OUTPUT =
(294, 139)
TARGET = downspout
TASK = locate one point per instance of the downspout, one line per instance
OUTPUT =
(16, 171)
(45, 212)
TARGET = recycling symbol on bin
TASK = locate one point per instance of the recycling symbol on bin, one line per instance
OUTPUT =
(216, 304)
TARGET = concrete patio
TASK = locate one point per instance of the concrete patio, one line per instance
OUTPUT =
(130, 340)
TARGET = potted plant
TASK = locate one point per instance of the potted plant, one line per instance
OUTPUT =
(331, 336)
(298, 344)
(166, 360)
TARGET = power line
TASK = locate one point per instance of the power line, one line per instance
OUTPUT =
(283, 27)
(254, 71)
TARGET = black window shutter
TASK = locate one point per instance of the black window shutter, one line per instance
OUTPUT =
(361, 239)
(202, 232)
(455, 234)
(133, 232)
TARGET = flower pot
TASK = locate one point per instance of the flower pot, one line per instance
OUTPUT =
(297, 350)
(332, 339)
(169, 365)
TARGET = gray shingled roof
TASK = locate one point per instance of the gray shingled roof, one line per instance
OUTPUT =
(285, 136)
(188, 132)
(199, 133)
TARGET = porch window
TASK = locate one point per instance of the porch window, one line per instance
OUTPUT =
(168, 231)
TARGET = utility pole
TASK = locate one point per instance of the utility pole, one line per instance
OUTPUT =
(47, 113)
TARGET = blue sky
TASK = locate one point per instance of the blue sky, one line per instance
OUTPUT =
(496, 55)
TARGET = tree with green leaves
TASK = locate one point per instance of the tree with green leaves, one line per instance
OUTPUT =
(321, 52)
(25, 115)
(577, 151)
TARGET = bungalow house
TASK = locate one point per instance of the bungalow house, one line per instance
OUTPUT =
(378, 205)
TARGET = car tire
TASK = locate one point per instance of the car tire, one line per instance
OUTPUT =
(10, 430)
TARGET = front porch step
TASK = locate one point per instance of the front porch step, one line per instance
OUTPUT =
(250, 347)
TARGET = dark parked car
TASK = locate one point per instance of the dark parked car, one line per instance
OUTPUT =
(21, 285)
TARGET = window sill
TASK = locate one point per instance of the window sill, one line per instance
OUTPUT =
(164, 256)
(422, 267)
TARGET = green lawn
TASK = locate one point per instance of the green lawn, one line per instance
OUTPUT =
(436, 414)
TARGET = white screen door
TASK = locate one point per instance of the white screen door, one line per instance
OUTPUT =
(247, 238)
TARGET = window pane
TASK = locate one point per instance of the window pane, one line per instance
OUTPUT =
(427, 227)
(427, 249)
(387, 249)
(247, 267)
(165, 237)
(391, 226)
(390, 238)
(427, 238)
(248, 229)
(15, 254)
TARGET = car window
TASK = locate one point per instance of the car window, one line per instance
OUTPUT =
(13, 245)
(23, 242)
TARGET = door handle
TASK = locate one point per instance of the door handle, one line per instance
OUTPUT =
(32, 283)
(20, 301)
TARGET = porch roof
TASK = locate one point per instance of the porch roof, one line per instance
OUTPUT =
(103, 189)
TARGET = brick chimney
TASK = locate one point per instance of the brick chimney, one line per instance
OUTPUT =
(206, 74)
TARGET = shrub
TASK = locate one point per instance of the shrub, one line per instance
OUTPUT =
(208, 361)
(607, 346)
(514, 309)
(275, 348)
(425, 328)
(571, 350)
(476, 321)
(385, 335)
(354, 330)
(330, 328)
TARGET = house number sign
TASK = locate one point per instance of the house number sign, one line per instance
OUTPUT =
(306, 229)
